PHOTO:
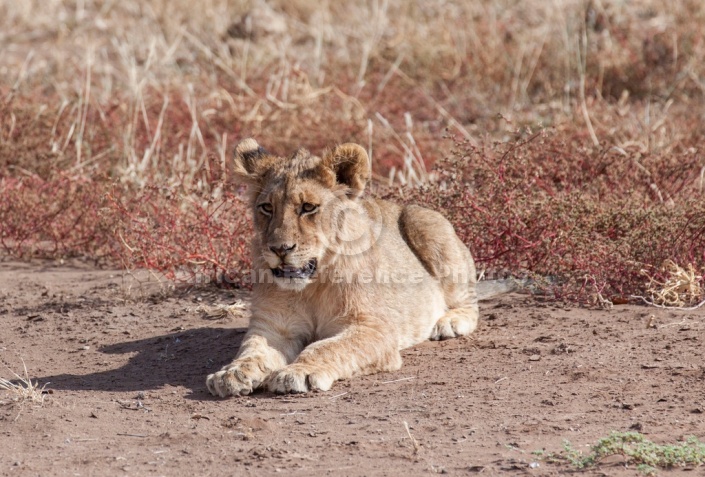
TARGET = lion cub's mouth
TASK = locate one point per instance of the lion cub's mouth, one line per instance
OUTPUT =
(287, 271)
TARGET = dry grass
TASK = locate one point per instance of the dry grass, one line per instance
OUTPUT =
(22, 389)
(150, 89)
(118, 119)
(681, 288)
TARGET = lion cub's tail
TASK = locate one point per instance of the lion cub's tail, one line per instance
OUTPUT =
(487, 289)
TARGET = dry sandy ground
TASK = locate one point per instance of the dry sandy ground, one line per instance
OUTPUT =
(125, 369)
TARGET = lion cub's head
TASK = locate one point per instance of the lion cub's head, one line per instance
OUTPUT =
(306, 209)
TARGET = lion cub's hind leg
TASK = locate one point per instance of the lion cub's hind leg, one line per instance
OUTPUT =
(460, 290)
(463, 312)
(456, 322)
(435, 243)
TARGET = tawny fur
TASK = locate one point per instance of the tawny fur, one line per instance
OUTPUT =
(387, 276)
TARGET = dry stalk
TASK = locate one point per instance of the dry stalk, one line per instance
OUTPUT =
(582, 63)
(234, 310)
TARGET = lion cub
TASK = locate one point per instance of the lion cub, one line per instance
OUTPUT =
(343, 282)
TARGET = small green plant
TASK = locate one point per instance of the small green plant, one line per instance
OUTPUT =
(636, 449)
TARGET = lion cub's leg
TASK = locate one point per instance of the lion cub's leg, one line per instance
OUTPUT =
(461, 297)
(460, 291)
(263, 351)
(363, 347)
(456, 322)
(434, 241)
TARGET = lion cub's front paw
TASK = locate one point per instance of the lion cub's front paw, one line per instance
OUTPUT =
(299, 378)
(237, 379)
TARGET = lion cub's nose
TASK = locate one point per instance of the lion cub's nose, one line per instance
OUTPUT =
(282, 250)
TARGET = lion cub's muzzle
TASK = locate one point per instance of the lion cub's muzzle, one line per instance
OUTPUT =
(287, 271)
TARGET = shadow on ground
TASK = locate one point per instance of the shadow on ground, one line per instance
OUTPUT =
(182, 358)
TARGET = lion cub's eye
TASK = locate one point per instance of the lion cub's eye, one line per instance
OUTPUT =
(266, 209)
(308, 208)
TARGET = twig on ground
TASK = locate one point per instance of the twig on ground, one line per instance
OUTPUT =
(234, 310)
(682, 308)
(414, 442)
(397, 380)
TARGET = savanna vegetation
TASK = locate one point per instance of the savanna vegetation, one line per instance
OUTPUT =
(564, 139)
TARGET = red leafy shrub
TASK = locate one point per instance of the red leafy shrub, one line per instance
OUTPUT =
(187, 237)
(51, 218)
(184, 236)
(591, 220)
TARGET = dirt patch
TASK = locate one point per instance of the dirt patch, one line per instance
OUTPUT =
(125, 366)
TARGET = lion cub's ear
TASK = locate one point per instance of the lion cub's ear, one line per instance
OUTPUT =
(247, 164)
(351, 166)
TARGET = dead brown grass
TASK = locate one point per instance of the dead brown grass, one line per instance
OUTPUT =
(682, 287)
(21, 389)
